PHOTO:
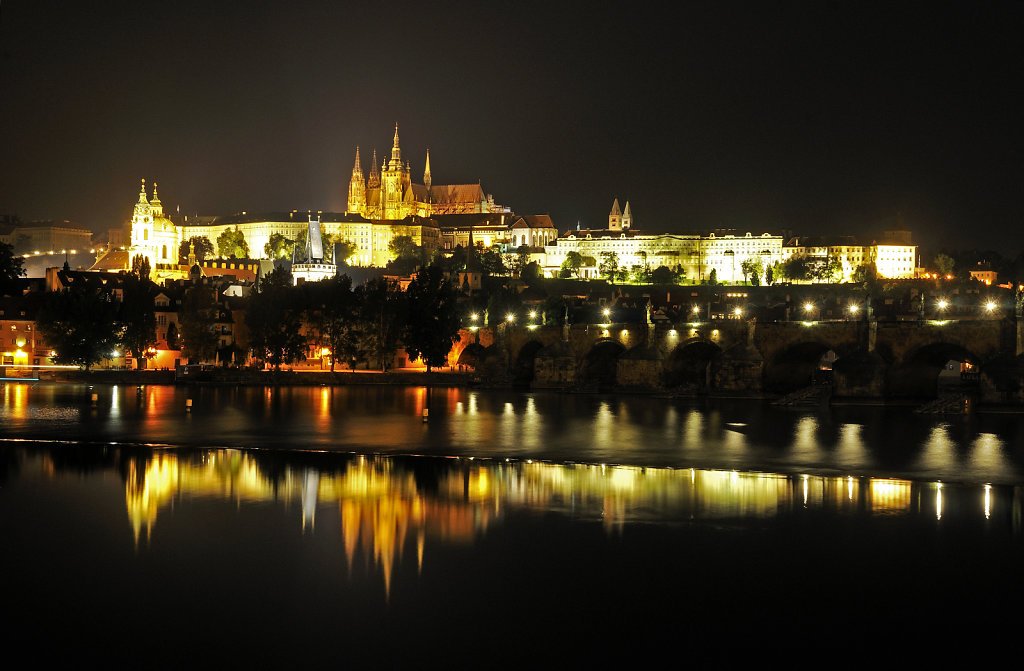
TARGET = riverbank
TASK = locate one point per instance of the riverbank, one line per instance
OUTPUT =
(261, 378)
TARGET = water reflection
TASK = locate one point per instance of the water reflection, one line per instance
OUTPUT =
(643, 431)
(380, 506)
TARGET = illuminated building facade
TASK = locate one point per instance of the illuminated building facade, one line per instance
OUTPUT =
(390, 194)
(696, 254)
(894, 257)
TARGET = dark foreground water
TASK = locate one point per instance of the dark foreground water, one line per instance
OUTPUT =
(247, 531)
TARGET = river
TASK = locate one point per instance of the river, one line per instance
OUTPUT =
(323, 526)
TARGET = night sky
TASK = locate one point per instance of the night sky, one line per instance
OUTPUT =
(819, 117)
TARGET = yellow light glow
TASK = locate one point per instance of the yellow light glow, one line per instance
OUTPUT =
(474, 316)
(808, 307)
(510, 317)
(533, 314)
(737, 311)
(942, 304)
(854, 308)
(696, 309)
(990, 306)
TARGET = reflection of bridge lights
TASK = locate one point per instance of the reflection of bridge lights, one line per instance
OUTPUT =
(942, 304)
(988, 501)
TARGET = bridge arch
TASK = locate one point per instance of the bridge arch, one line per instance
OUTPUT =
(523, 365)
(600, 363)
(801, 364)
(693, 363)
(929, 370)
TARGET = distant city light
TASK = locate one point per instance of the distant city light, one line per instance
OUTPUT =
(808, 307)
(696, 309)
(854, 308)
(737, 311)
(606, 312)
(510, 317)
(474, 316)
(942, 304)
(533, 314)
(990, 306)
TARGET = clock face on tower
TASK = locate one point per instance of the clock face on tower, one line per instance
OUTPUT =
(147, 219)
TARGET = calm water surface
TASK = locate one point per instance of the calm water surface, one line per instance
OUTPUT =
(332, 527)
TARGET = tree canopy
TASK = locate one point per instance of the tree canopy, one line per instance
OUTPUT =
(80, 323)
(11, 268)
(203, 249)
(433, 324)
(232, 243)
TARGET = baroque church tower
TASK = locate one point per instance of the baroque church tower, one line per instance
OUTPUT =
(615, 217)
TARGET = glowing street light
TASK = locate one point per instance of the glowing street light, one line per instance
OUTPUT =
(696, 310)
(738, 312)
(510, 317)
(606, 312)
(808, 306)
(474, 316)
(854, 308)
(990, 306)
(942, 304)
(533, 314)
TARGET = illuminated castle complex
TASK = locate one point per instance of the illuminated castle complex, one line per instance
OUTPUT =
(389, 193)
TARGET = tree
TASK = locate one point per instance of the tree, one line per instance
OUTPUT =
(830, 270)
(137, 313)
(198, 315)
(751, 269)
(609, 265)
(769, 275)
(516, 262)
(346, 249)
(795, 268)
(492, 263)
(531, 272)
(433, 324)
(11, 268)
(713, 277)
(664, 275)
(232, 243)
(383, 313)
(172, 336)
(202, 245)
(407, 255)
(944, 264)
(571, 265)
(344, 331)
(274, 319)
(278, 246)
(80, 323)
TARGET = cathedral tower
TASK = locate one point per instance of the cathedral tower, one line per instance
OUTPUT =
(357, 188)
(392, 183)
(627, 218)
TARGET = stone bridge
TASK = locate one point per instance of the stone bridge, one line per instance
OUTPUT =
(864, 358)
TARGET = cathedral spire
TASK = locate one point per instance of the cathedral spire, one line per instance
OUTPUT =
(627, 218)
(396, 152)
(156, 198)
(357, 169)
(426, 172)
(142, 193)
(374, 172)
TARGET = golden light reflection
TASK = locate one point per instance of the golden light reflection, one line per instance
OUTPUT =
(382, 507)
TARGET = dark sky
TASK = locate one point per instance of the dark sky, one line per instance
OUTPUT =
(822, 117)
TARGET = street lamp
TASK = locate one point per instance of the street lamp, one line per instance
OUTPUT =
(942, 304)
(510, 317)
(854, 308)
(606, 312)
(990, 306)
(808, 306)
(696, 310)
(738, 312)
